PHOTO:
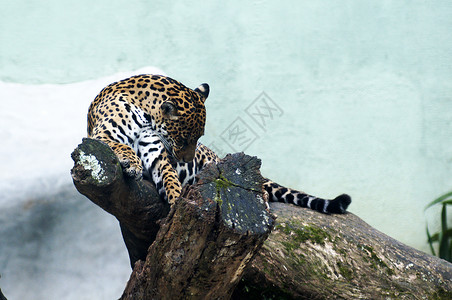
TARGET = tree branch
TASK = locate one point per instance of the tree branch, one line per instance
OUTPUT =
(218, 225)
(315, 256)
(205, 243)
(97, 174)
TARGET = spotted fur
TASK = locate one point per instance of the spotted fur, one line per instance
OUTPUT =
(153, 124)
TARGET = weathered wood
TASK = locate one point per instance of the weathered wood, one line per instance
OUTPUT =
(315, 256)
(208, 238)
(307, 256)
(97, 174)
(211, 234)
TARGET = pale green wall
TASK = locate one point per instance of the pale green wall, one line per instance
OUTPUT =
(365, 86)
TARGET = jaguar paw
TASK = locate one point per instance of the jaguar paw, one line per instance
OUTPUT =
(133, 170)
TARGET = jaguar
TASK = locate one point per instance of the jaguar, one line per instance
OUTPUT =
(153, 124)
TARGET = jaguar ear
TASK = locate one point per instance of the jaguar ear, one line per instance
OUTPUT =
(169, 110)
(203, 90)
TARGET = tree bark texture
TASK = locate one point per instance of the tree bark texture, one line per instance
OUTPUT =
(98, 175)
(215, 229)
(315, 256)
(210, 235)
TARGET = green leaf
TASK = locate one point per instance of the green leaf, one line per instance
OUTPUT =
(443, 238)
(450, 252)
(448, 202)
(430, 242)
(444, 219)
(440, 200)
(434, 237)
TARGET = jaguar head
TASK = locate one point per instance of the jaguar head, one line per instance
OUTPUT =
(185, 117)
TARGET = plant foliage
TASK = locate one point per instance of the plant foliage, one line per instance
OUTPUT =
(444, 236)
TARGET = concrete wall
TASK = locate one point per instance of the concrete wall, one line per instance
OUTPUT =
(357, 94)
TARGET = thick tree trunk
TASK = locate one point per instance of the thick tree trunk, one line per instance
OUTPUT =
(315, 256)
(215, 229)
(210, 235)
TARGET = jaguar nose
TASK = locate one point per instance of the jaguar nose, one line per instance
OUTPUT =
(188, 158)
(188, 153)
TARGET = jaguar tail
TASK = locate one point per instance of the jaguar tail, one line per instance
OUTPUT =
(278, 193)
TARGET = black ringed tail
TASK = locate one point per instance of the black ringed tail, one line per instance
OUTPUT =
(278, 193)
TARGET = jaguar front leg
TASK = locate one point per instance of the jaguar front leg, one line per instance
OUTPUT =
(165, 172)
(157, 166)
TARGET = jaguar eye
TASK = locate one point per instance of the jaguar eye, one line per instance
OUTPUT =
(169, 110)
